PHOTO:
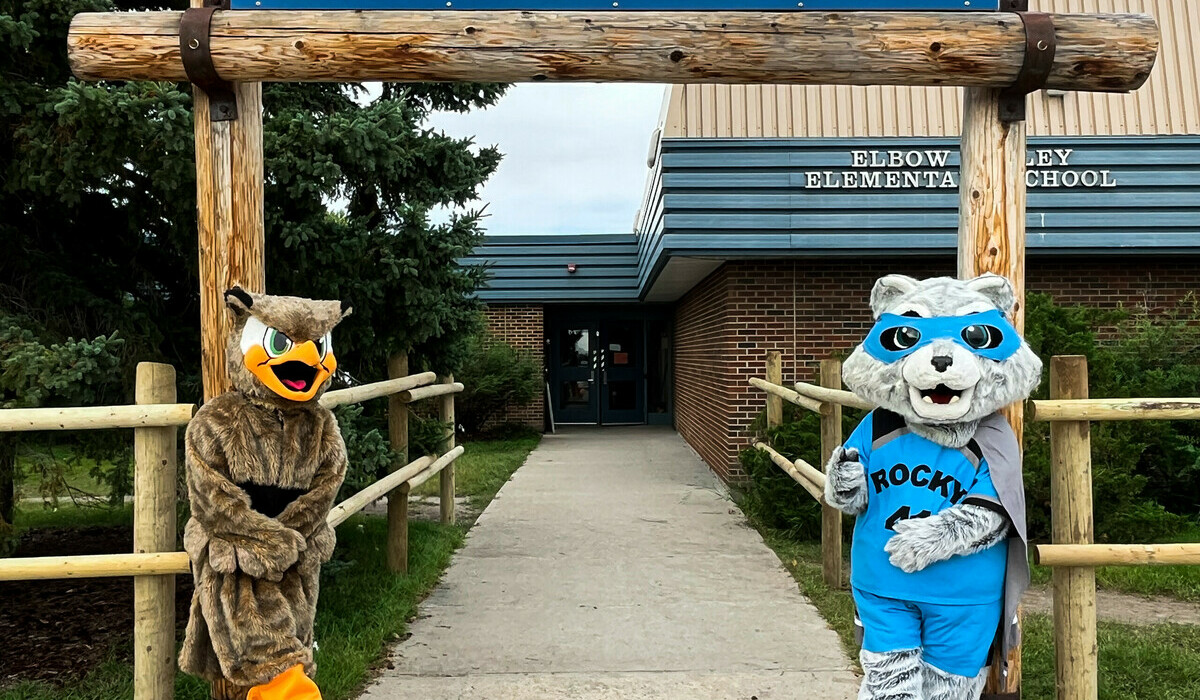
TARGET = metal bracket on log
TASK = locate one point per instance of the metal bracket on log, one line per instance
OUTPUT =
(195, 50)
(1040, 45)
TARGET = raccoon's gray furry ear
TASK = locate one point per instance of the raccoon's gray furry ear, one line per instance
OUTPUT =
(888, 289)
(997, 289)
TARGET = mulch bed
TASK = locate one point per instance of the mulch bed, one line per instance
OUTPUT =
(57, 631)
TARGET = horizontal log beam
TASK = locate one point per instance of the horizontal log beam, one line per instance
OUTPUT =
(375, 390)
(1114, 409)
(1100, 52)
(16, 420)
(1116, 554)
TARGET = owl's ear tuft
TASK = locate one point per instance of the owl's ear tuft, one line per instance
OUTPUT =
(347, 309)
(238, 301)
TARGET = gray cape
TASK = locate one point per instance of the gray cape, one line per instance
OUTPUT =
(1002, 451)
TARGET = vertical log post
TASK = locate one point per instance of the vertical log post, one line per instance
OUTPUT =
(397, 530)
(831, 439)
(154, 474)
(229, 206)
(1071, 523)
(991, 238)
(229, 203)
(774, 376)
(446, 415)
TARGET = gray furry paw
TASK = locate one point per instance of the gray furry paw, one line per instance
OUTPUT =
(961, 529)
(846, 482)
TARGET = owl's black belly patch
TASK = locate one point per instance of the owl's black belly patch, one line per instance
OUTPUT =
(270, 500)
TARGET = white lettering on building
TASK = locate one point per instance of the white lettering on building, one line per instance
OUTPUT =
(1047, 168)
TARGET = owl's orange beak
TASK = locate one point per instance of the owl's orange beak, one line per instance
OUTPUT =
(296, 375)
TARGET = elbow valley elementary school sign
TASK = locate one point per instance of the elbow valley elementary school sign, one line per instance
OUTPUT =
(932, 169)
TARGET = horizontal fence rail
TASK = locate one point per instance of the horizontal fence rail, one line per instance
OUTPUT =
(376, 390)
(801, 472)
(18, 420)
(1114, 409)
(1116, 554)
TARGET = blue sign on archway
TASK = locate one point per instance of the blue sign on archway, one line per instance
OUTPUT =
(628, 5)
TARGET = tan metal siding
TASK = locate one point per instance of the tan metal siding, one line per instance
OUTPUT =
(1169, 103)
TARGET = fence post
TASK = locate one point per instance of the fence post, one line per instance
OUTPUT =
(446, 415)
(154, 475)
(397, 528)
(831, 439)
(774, 376)
(1071, 523)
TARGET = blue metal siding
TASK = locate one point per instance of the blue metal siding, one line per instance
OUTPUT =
(753, 198)
(534, 268)
(750, 198)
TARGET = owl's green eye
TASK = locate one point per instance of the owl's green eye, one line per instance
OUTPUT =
(276, 343)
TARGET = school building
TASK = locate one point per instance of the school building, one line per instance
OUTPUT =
(769, 211)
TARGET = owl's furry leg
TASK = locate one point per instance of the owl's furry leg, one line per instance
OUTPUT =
(940, 685)
(893, 675)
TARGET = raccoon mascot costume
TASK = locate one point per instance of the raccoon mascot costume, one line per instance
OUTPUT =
(933, 477)
(264, 463)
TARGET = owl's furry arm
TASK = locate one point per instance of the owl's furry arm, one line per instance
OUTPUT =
(846, 482)
(307, 513)
(240, 538)
(966, 528)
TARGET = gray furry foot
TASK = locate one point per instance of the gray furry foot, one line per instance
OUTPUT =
(939, 685)
(895, 675)
(846, 482)
(961, 529)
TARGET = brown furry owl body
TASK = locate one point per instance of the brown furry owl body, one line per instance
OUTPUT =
(263, 470)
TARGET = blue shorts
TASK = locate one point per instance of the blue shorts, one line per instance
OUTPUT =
(953, 638)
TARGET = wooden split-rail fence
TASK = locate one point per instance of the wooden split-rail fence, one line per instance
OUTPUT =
(155, 419)
(1073, 553)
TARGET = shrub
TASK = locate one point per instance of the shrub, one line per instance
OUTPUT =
(495, 375)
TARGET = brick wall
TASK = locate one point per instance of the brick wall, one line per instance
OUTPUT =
(521, 325)
(811, 309)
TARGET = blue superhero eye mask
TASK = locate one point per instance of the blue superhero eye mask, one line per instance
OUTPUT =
(986, 334)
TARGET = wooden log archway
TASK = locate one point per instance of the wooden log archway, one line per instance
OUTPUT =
(985, 52)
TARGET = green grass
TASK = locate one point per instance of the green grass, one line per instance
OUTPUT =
(65, 466)
(363, 606)
(34, 517)
(485, 466)
(1156, 662)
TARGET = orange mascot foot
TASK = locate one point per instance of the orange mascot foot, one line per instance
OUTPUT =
(292, 684)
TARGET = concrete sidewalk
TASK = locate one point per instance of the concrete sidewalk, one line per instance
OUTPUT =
(614, 566)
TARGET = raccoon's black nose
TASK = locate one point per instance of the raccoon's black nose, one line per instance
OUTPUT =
(941, 362)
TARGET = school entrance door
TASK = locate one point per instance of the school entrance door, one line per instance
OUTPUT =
(607, 368)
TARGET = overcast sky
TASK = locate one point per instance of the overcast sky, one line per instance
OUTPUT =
(574, 155)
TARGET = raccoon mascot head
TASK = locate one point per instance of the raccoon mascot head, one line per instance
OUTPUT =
(943, 354)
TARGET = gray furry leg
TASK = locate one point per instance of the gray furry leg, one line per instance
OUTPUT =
(939, 685)
(895, 675)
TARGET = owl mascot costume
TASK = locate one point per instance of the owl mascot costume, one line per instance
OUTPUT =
(264, 463)
(933, 476)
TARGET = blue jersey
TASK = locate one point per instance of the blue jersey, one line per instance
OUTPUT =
(909, 476)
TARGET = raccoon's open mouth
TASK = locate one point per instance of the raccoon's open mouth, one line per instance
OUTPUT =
(941, 394)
